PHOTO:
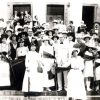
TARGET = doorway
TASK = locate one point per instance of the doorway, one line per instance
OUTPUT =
(88, 16)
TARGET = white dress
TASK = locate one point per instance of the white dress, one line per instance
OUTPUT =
(76, 86)
(35, 82)
(47, 64)
(4, 73)
(88, 70)
(97, 70)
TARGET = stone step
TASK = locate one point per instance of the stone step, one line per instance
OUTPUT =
(45, 93)
(10, 92)
(42, 98)
(20, 93)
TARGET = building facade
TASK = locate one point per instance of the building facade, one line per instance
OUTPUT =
(52, 9)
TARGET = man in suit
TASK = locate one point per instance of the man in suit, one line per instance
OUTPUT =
(62, 57)
(70, 27)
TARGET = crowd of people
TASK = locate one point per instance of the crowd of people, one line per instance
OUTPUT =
(34, 56)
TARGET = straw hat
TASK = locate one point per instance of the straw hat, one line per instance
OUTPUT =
(55, 21)
(9, 29)
(55, 36)
(75, 49)
(86, 36)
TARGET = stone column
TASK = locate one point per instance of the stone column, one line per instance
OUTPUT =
(66, 13)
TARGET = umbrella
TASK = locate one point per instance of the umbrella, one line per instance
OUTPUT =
(48, 55)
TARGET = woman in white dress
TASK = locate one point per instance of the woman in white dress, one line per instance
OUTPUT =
(47, 62)
(33, 78)
(4, 72)
(76, 87)
(88, 70)
(5, 68)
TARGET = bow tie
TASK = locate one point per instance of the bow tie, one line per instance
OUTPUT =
(61, 43)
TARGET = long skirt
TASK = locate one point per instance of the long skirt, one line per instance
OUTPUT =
(97, 73)
(88, 70)
(48, 63)
(76, 86)
(4, 74)
(18, 71)
(33, 82)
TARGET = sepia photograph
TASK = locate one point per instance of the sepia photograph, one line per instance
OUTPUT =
(49, 49)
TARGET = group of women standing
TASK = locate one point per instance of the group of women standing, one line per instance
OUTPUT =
(29, 65)
(30, 68)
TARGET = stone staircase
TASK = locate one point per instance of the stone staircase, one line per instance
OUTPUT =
(20, 93)
(41, 98)
(54, 95)
(10, 93)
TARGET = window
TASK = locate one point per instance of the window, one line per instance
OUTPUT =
(55, 11)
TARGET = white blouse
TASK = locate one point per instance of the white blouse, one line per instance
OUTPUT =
(4, 47)
(77, 63)
(22, 51)
(32, 59)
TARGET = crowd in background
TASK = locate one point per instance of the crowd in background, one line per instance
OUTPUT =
(35, 50)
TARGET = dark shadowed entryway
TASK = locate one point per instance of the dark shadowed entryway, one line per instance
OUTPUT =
(88, 16)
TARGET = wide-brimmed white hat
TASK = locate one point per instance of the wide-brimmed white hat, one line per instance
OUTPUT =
(64, 32)
(30, 30)
(25, 26)
(9, 29)
(60, 36)
(87, 36)
(92, 46)
(45, 38)
(55, 21)
(75, 49)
